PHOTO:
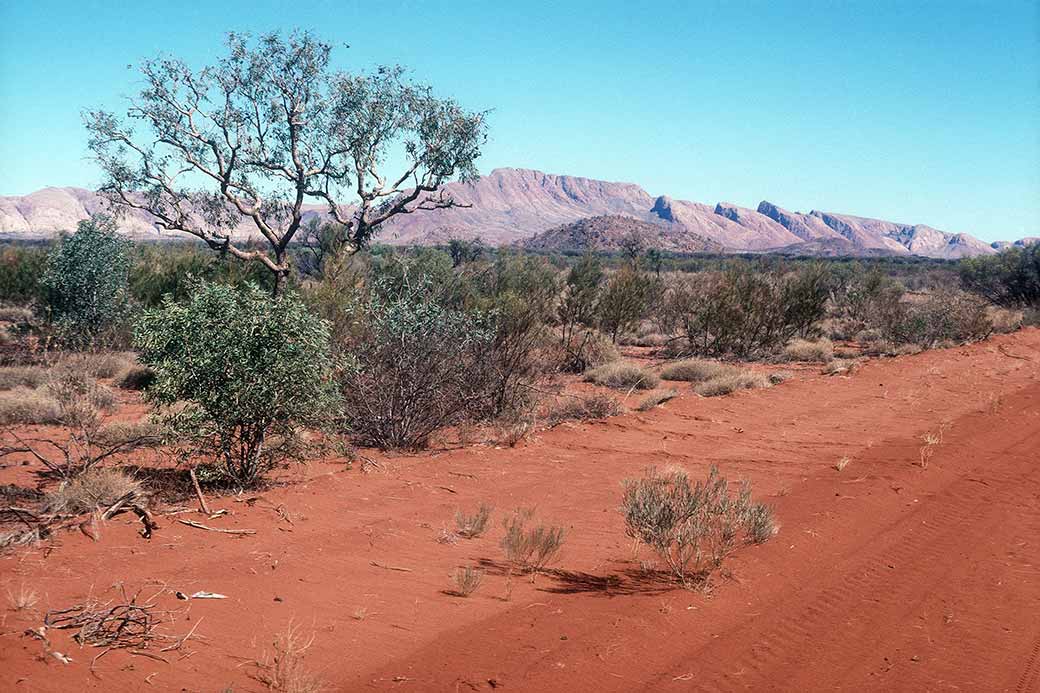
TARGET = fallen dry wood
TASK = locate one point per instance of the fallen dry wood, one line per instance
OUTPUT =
(198, 492)
(129, 502)
(199, 525)
(391, 567)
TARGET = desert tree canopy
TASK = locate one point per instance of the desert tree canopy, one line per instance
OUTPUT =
(272, 127)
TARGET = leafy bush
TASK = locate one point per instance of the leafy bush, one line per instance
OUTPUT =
(20, 270)
(250, 369)
(696, 370)
(728, 384)
(1010, 278)
(530, 548)
(418, 367)
(692, 528)
(954, 316)
(623, 376)
(625, 300)
(578, 408)
(743, 311)
(85, 283)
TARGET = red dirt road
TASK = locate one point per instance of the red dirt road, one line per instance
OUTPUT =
(884, 576)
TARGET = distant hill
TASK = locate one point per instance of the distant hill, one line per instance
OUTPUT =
(517, 205)
(610, 232)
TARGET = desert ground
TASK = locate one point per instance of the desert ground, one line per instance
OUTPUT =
(899, 571)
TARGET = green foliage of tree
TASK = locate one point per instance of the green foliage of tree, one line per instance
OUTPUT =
(20, 271)
(86, 283)
(249, 370)
(625, 300)
(270, 127)
(1010, 278)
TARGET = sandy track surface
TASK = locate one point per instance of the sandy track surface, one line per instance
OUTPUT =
(884, 576)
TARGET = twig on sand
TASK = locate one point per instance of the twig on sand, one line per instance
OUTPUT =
(199, 525)
(391, 567)
(1003, 349)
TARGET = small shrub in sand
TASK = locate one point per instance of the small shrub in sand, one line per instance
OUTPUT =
(696, 370)
(622, 376)
(284, 670)
(22, 376)
(692, 527)
(822, 350)
(596, 406)
(656, 399)
(780, 377)
(472, 526)
(24, 406)
(530, 547)
(728, 384)
(467, 580)
(93, 489)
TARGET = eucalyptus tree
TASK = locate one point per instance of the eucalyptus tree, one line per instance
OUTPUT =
(240, 148)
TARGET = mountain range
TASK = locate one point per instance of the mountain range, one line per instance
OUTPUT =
(540, 210)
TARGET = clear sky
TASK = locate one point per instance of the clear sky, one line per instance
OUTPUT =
(918, 112)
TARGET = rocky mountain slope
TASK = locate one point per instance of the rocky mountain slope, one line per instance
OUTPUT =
(513, 205)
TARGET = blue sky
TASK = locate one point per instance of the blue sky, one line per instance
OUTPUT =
(920, 112)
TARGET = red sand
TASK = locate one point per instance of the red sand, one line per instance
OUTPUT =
(884, 576)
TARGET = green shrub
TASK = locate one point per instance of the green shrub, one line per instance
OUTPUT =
(85, 283)
(250, 370)
(943, 316)
(692, 528)
(1010, 278)
(530, 548)
(745, 310)
(418, 367)
(622, 376)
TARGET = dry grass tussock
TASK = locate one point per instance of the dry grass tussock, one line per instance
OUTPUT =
(697, 370)
(30, 377)
(91, 490)
(135, 378)
(596, 406)
(28, 407)
(728, 384)
(102, 364)
(620, 375)
(819, 351)
(656, 399)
